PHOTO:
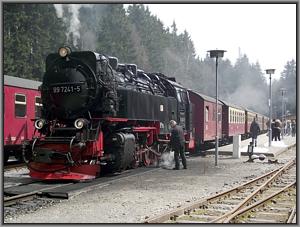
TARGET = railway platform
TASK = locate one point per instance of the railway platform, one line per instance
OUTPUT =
(276, 148)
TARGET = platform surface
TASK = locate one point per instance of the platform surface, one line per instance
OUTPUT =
(276, 148)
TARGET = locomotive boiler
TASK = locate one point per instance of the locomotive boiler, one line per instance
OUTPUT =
(99, 115)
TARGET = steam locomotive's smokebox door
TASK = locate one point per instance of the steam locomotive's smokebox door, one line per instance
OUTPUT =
(69, 83)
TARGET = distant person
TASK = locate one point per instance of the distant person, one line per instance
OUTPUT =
(177, 143)
(277, 129)
(273, 129)
(293, 126)
(254, 130)
(288, 128)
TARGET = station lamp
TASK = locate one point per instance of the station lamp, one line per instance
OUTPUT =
(216, 54)
(270, 72)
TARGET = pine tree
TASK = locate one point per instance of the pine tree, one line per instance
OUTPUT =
(288, 82)
(31, 31)
(114, 36)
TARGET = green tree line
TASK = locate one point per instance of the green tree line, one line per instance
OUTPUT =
(134, 35)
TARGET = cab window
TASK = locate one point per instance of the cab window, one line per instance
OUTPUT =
(184, 96)
(178, 95)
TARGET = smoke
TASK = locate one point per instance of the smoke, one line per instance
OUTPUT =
(167, 160)
(59, 10)
(89, 40)
(74, 27)
(249, 97)
(75, 23)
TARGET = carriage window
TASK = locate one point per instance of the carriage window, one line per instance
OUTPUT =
(206, 113)
(38, 106)
(20, 105)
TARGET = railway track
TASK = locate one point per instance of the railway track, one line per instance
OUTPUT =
(279, 207)
(246, 200)
(14, 199)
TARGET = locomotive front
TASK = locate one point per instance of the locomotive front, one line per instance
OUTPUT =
(73, 83)
(76, 85)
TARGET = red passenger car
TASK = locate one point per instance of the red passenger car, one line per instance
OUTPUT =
(233, 121)
(204, 120)
(22, 102)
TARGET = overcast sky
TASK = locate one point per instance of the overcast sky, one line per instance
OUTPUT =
(264, 32)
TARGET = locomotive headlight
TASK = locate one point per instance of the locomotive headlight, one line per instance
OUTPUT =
(64, 51)
(79, 123)
(39, 124)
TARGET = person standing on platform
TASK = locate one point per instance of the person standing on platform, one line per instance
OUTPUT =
(273, 129)
(254, 130)
(293, 126)
(277, 129)
(177, 143)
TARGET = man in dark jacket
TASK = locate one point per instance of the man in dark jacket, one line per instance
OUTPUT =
(277, 129)
(177, 142)
(254, 130)
(273, 129)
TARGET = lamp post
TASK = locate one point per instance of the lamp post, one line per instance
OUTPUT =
(282, 90)
(270, 72)
(216, 54)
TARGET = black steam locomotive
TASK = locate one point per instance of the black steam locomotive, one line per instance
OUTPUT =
(100, 115)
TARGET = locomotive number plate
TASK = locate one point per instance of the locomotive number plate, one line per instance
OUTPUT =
(66, 89)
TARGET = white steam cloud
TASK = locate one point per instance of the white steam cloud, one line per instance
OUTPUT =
(59, 10)
(74, 20)
(249, 97)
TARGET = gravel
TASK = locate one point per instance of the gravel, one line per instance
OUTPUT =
(136, 198)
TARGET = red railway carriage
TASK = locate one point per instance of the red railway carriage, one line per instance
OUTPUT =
(233, 120)
(204, 123)
(22, 102)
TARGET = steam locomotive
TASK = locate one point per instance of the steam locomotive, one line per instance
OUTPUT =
(100, 115)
